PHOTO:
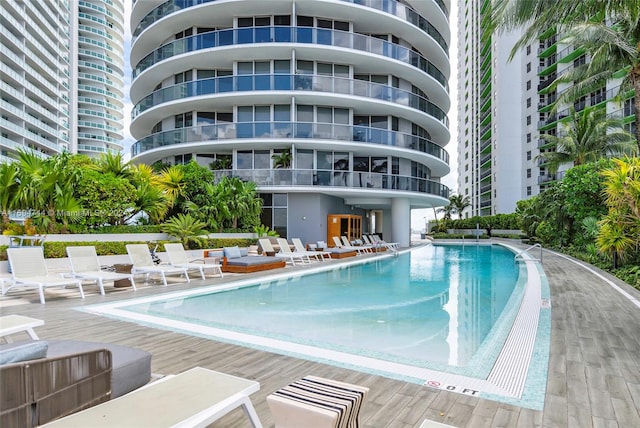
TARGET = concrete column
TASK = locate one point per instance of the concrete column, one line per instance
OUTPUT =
(400, 221)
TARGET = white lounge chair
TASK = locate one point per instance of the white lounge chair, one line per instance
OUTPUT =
(143, 263)
(85, 265)
(319, 255)
(285, 249)
(29, 269)
(364, 248)
(178, 257)
(338, 243)
(390, 245)
(267, 248)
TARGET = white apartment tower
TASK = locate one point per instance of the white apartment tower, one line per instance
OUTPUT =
(34, 70)
(355, 92)
(62, 71)
(497, 102)
(99, 56)
(506, 107)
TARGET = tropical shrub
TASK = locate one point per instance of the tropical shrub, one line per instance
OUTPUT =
(186, 228)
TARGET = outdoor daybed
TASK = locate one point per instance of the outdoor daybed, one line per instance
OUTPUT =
(237, 260)
(45, 380)
(340, 253)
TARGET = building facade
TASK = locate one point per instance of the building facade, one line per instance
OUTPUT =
(35, 82)
(99, 74)
(505, 107)
(311, 99)
(62, 71)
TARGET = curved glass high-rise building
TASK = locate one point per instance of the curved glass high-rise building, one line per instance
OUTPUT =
(332, 107)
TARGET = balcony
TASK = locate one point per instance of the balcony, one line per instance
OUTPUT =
(367, 181)
(391, 7)
(285, 131)
(288, 82)
(282, 34)
(542, 179)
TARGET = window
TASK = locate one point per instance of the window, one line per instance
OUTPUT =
(529, 155)
(528, 172)
(183, 120)
(528, 84)
(182, 77)
(528, 67)
(528, 120)
(528, 49)
(528, 137)
(528, 190)
(528, 102)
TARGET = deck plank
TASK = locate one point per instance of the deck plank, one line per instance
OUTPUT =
(594, 370)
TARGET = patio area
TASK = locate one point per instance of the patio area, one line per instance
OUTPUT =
(594, 365)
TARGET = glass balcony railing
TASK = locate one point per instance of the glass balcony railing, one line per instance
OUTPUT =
(289, 130)
(288, 82)
(392, 7)
(303, 35)
(348, 179)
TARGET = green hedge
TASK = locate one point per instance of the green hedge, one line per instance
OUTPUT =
(456, 236)
(53, 250)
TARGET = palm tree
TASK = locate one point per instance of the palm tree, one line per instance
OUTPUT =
(243, 199)
(282, 159)
(211, 208)
(172, 182)
(150, 197)
(447, 210)
(113, 163)
(8, 189)
(588, 136)
(613, 44)
(46, 187)
(184, 227)
(459, 203)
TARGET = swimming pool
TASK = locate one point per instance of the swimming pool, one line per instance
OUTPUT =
(436, 308)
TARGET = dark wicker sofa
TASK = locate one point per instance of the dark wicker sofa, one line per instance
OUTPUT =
(45, 380)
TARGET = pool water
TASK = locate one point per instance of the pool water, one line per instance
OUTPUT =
(430, 307)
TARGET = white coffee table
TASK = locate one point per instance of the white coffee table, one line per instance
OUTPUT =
(11, 324)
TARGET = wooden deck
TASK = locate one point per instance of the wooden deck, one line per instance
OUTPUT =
(594, 367)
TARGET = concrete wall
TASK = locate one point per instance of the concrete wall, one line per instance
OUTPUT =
(307, 215)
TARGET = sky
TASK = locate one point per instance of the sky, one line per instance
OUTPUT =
(418, 216)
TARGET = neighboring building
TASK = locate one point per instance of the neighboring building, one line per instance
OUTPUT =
(496, 115)
(61, 76)
(99, 65)
(34, 70)
(362, 111)
(505, 106)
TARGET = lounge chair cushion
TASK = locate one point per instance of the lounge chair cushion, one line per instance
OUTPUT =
(23, 351)
(232, 252)
(252, 260)
(131, 366)
(337, 250)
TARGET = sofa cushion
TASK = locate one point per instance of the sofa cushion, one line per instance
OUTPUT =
(22, 351)
(131, 366)
(232, 252)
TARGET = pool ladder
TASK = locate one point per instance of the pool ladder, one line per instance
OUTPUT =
(519, 257)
